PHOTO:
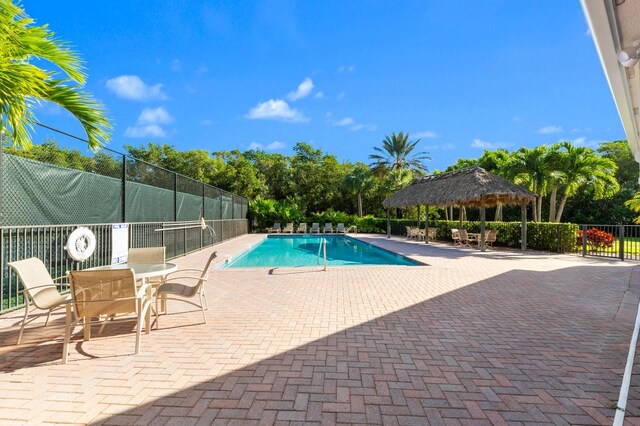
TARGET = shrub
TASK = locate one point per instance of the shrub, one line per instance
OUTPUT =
(597, 238)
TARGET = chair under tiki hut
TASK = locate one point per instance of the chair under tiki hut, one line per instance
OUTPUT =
(472, 186)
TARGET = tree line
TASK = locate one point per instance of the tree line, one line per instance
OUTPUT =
(574, 183)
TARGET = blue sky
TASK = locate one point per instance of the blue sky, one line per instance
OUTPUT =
(462, 76)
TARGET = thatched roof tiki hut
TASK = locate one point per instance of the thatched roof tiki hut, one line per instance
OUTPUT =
(473, 186)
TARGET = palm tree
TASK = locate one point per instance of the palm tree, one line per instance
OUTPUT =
(359, 181)
(581, 166)
(396, 154)
(23, 84)
(529, 167)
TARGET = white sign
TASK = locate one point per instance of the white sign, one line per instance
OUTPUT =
(119, 243)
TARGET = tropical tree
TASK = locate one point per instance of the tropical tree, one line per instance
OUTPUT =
(359, 181)
(23, 84)
(529, 167)
(397, 153)
(581, 166)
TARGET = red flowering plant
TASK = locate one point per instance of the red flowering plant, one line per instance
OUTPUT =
(596, 238)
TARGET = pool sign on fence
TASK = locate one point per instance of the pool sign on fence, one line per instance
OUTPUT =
(119, 243)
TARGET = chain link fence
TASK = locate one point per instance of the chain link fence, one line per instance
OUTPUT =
(47, 191)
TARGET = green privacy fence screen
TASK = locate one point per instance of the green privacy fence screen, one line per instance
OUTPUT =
(127, 190)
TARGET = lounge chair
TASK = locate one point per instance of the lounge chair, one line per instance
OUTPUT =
(275, 229)
(315, 228)
(288, 229)
(302, 228)
(328, 228)
(39, 287)
(340, 228)
(352, 228)
(106, 293)
(175, 284)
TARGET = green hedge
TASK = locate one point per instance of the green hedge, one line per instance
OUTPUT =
(554, 237)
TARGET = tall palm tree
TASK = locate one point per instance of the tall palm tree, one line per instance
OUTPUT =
(359, 181)
(581, 166)
(397, 153)
(529, 167)
(555, 159)
(23, 84)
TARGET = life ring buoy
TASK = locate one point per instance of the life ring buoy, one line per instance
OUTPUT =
(81, 244)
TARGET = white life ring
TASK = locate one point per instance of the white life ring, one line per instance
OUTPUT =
(81, 244)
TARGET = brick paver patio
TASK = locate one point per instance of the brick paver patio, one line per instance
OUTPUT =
(474, 338)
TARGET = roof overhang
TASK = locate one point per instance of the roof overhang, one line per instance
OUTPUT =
(602, 19)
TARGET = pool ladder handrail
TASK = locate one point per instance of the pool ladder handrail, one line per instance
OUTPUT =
(323, 246)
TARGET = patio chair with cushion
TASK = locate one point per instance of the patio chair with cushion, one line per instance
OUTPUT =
(39, 288)
(315, 228)
(275, 229)
(328, 228)
(106, 294)
(288, 229)
(189, 284)
(302, 228)
(340, 229)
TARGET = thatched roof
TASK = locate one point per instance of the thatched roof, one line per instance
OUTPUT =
(465, 187)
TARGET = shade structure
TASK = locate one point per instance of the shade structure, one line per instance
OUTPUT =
(472, 186)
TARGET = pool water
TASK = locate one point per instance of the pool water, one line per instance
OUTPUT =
(306, 250)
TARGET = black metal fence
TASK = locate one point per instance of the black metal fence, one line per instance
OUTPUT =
(612, 241)
(47, 243)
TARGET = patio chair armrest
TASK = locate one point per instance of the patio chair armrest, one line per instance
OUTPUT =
(183, 278)
(33, 287)
(143, 290)
(171, 274)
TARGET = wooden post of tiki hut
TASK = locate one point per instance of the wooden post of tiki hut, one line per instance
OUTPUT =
(523, 225)
(482, 214)
(426, 224)
(389, 222)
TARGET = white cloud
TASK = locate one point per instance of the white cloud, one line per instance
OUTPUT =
(579, 141)
(351, 124)
(516, 119)
(549, 129)
(341, 96)
(479, 143)
(347, 121)
(443, 147)
(206, 122)
(303, 90)
(176, 65)
(148, 131)
(276, 109)
(132, 87)
(271, 147)
(275, 145)
(202, 69)
(588, 32)
(346, 69)
(428, 134)
(319, 95)
(154, 116)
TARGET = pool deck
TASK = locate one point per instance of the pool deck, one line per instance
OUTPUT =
(498, 337)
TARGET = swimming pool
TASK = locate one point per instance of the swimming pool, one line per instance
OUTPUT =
(306, 250)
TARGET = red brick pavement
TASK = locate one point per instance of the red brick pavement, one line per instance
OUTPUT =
(475, 338)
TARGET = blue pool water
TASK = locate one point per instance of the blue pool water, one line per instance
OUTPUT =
(302, 250)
